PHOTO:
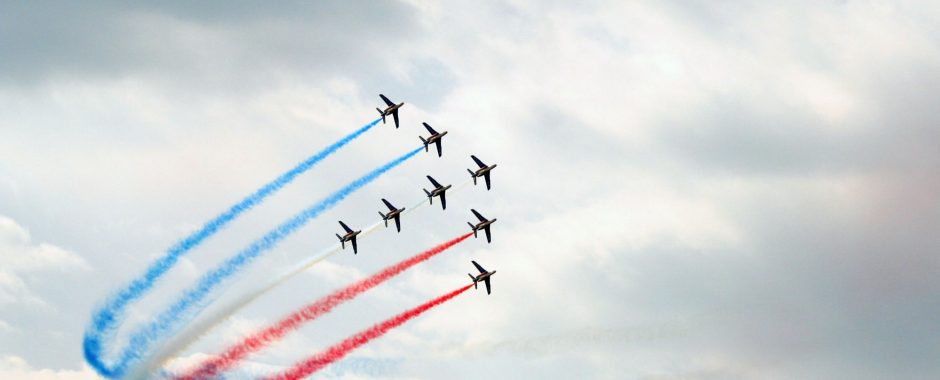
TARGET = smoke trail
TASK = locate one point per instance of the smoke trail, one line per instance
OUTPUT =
(194, 299)
(341, 349)
(263, 338)
(202, 328)
(106, 319)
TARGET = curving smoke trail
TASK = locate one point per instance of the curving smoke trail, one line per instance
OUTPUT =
(341, 349)
(206, 325)
(261, 339)
(107, 317)
(193, 300)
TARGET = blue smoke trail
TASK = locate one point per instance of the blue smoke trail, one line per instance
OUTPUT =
(187, 306)
(108, 317)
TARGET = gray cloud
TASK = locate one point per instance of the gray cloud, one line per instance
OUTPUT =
(201, 47)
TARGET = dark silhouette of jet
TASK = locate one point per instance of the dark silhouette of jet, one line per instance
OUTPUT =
(483, 171)
(393, 213)
(437, 192)
(349, 236)
(390, 109)
(483, 276)
(435, 138)
(483, 225)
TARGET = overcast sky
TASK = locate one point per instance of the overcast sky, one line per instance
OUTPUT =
(685, 190)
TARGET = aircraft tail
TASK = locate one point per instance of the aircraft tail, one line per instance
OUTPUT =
(428, 193)
(383, 115)
(341, 242)
(425, 143)
(472, 175)
(474, 280)
(384, 218)
(473, 228)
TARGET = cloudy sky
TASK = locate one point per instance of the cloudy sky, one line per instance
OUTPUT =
(685, 190)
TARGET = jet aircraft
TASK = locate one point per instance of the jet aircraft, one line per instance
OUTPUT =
(350, 236)
(390, 109)
(483, 276)
(435, 138)
(393, 213)
(483, 171)
(483, 225)
(437, 192)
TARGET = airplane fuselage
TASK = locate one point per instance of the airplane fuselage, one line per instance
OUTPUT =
(483, 276)
(482, 225)
(481, 171)
(392, 214)
(349, 236)
(440, 190)
(434, 138)
(388, 110)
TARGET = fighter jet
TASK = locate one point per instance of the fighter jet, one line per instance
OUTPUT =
(350, 236)
(435, 138)
(483, 225)
(483, 171)
(483, 276)
(437, 192)
(393, 213)
(390, 109)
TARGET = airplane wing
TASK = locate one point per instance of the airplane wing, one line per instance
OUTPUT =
(438, 143)
(433, 132)
(443, 202)
(486, 176)
(487, 281)
(397, 223)
(479, 268)
(482, 219)
(345, 227)
(387, 102)
(487, 230)
(433, 182)
(477, 160)
(388, 204)
(395, 116)
(355, 249)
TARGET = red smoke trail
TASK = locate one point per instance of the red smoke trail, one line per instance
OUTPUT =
(272, 333)
(341, 349)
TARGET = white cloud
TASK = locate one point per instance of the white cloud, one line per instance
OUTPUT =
(14, 367)
(20, 257)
